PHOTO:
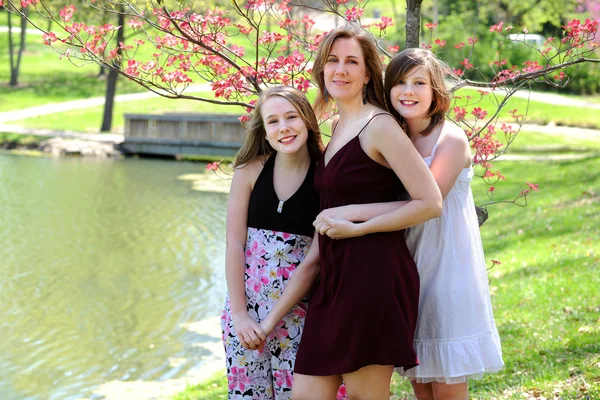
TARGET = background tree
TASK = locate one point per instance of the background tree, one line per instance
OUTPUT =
(15, 60)
(260, 43)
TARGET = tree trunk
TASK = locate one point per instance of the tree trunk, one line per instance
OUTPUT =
(13, 76)
(23, 28)
(15, 64)
(111, 80)
(413, 22)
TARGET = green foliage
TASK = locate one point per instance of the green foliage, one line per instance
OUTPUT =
(213, 389)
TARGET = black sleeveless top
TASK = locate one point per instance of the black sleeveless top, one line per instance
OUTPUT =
(295, 215)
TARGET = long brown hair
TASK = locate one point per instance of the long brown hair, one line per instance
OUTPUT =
(398, 69)
(374, 90)
(256, 143)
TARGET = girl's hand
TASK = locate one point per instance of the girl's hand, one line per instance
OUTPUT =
(341, 229)
(248, 331)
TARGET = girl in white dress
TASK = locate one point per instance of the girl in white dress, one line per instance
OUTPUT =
(456, 337)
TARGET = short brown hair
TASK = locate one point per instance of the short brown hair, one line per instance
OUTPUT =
(256, 143)
(398, 69)
(374, 91)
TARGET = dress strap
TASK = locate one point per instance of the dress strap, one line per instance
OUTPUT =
(371, 119)
(435, 146)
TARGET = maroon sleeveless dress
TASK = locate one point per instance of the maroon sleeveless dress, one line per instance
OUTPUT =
(363, 310)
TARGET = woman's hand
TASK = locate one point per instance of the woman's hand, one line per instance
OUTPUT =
(341, 229)
(249, 332)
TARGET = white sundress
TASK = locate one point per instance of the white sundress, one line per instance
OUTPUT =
(456, 337)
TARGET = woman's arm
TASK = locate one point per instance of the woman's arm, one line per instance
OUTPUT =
(386, 143)
(247, 329)
(302, 280)
(354, 213)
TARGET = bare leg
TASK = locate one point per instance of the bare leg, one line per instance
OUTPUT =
(423, 391)
(310, 387)
(458, 391)
(369, 383)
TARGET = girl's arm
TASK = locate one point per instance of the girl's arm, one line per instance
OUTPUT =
(300, 283)
(247, 329)
(453, 154)
(386, 143)
(354, 213)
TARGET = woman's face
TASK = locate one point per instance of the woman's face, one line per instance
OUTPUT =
(345, 71)
(285, 129)
(412, 95)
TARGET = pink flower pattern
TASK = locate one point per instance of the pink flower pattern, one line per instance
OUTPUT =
(271, 259)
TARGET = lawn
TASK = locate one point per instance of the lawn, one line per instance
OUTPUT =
(545, 293)
(535, 112)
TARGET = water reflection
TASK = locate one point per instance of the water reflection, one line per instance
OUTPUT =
(101, 262)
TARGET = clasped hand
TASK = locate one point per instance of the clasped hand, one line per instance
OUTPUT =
(250, 333)
(333, 223)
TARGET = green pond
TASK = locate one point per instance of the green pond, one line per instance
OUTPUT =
(101, 262)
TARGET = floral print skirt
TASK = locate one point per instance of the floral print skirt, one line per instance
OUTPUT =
(271, 259)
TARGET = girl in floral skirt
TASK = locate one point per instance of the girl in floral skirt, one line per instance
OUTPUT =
(270, 211)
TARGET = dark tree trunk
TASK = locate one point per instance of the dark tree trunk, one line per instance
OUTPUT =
(23, 29)
(111, 80)
(15, 64)
(413, 22)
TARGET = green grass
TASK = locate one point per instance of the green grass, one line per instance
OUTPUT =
(45, 78)
(89, 119)
(545, 293)
(528, 142)
(13, 140)
(537, 112)
(214, 389)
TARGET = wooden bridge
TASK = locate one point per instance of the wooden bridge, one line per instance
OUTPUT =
(183, 134)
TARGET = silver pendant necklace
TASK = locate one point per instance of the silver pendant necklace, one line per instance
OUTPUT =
(280, 206)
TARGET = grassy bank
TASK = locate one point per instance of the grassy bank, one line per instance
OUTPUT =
(545, 292)
(16, 140)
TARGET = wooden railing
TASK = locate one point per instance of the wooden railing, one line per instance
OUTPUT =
(178, 134)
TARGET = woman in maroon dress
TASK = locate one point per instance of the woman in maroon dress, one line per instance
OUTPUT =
(362, 314)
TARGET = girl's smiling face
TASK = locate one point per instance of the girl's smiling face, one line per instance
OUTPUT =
(412, 95)
(285, 129)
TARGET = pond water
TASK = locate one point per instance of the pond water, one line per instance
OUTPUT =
(101, 262)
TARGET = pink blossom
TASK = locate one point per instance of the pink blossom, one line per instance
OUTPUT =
(460, 113)
(479, 113)
(67, 13)
(49, 37)
(497, 28)
(466, 63)
(354, 13)
(440, 42)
